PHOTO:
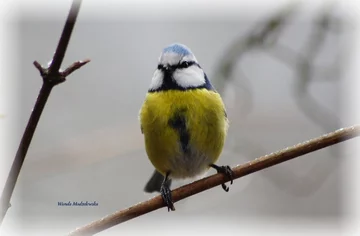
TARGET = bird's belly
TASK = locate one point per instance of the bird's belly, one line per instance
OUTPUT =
(166, 152)
(189, 165)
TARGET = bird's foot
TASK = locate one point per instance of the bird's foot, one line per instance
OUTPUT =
(166, 196)
(226, 170)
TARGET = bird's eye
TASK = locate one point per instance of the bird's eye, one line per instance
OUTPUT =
(160, 67)
(185, 64)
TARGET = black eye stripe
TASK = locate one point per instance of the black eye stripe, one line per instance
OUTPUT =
(182, 65)
(185, 64)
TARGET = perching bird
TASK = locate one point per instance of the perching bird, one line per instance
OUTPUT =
(183, 120)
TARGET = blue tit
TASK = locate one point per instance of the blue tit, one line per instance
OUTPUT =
(183, 120)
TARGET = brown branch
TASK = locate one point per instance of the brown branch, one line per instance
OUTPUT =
(51, 77)
(217, 179)
(65, 37)
(73, 67)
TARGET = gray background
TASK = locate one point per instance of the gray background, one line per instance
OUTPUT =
(88, 145)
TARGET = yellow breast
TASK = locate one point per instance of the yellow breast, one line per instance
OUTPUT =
(206, 125)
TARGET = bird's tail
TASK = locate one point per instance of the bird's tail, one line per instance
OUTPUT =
(155, 182)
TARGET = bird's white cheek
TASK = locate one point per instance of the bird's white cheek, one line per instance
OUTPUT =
(189, 77)
(157, 80)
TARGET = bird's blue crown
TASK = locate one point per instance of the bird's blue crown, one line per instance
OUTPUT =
(178, 49)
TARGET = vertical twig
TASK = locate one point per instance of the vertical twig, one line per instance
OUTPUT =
(51, 77)
(65, 37)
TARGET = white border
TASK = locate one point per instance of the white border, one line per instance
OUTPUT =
(153, 8)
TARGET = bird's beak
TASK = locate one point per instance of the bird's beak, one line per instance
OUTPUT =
(167, 68)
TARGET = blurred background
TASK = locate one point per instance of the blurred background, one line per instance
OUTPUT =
(280, 70)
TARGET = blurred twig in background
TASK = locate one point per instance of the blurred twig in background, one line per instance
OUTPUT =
(264, 37)
(51, 77)
(217, 179)
(305, 71)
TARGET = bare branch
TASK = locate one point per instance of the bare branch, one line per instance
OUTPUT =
(65, 38)
(51, 77)
(217, 179)
(40, 68)
(76, 65)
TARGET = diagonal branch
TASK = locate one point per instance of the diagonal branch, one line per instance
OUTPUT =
(51, 77)
(188, 190)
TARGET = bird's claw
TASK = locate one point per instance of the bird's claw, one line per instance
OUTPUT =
(226, 170)
(166, 196)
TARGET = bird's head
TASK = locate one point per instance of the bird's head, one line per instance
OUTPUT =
(178, 69)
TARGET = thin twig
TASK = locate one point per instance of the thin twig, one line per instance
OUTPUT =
(217, 179)
(73, 67)
(51, 77)
(65, 37)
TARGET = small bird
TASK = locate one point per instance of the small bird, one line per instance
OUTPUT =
(183, 120)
